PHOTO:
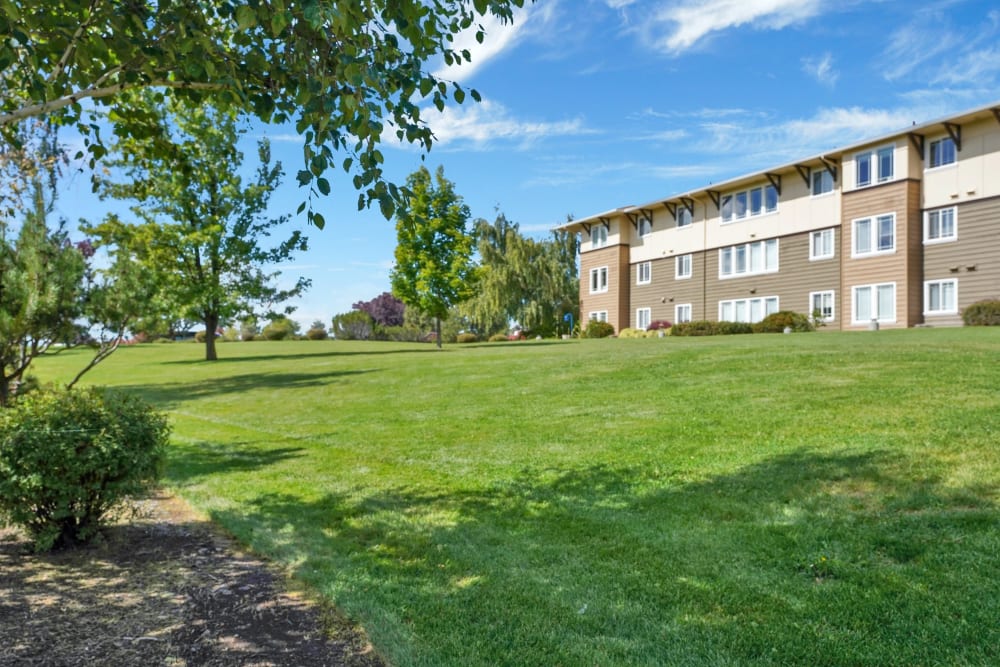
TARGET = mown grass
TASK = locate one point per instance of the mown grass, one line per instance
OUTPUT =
(814, 499)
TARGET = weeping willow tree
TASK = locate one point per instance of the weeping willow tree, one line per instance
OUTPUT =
(531, 282)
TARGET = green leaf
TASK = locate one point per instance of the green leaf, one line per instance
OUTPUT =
(323, 186)
(459, 95)
(304, 177)
(245, 17)
(317, 219)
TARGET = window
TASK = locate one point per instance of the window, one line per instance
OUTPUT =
(682, 312)
(598, 315)
(822, 182)
(644, 273)
(883, 160)
(821, 306)
(941, 152)
(599, 280)
(939, 226)
(683, 216)
(643, 316)
(748, 203)
(683, 267)
(940, 297)
(645, 227)
(821, 244)
(747, 310)
(748, 259)
(875, 302)
(598, 236)
(873, 236)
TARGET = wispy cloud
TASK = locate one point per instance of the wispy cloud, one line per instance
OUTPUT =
(678, 27)
(821, 69)
(487, 123)
(500, 37)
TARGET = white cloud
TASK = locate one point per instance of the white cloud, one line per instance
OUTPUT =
(974, 68)
(913, 45)
(689, 22)
(499, 37)
(821, 69)
(489, 122)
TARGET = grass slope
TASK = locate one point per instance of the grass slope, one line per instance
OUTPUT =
(807, 499)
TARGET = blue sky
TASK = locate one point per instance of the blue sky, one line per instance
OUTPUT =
(593, 104)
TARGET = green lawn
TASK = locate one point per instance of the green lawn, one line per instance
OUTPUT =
(813, 499)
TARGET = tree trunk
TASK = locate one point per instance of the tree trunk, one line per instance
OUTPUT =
(437, 327)
(4, 391)
(211, 325)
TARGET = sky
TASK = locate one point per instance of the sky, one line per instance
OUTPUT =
(588, 105)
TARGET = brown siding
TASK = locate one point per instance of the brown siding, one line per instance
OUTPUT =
(901, 198)
(615, 300)
(665, 291)
(973, 260)
(795, 279)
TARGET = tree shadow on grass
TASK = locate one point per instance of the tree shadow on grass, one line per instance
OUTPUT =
(206, 458)
(168, 396)
(804, 558)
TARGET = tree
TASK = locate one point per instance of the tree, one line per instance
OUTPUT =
(345, 73)
(202, 228)
(434, 269)
(531, 282)
(385, 309)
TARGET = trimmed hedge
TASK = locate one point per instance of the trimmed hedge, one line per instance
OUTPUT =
(596, 329)
(710, 328)
(68, 460)
(466, 338)
(776, 322)
(984, 313)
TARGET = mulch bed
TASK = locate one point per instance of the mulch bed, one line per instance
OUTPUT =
(166, 589)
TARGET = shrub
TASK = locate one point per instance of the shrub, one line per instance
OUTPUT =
(68, 460)
(280, 329)
(655, 325)
(629, 332)
(597, 329)
(498, 338)
(353, 325)
(710, 328)
(316, 333)
(466, 338)
(403, 334)
(984, 313)
(199, 337)
(776, 322)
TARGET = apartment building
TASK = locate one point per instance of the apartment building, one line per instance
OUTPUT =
(902, 230)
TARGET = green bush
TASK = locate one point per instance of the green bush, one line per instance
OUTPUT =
(466, 338)
(597, 329)
(68, 459)
(710, 328)
(776, 322)
(400, 334)
(281, 329)
(984, 313)
(316, 334)
(498, 338)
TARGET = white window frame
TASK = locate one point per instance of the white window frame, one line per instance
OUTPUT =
(825, 177)
(643, 268)
(876, 174)
(951, 309)
(823, 295)
(743, 254)
(598, 315)
(640, 315)
(746, 306)
(684, 216)
(873, 303)
(744, 198)
(598, 236)
(599, 280)
(822, 233)
(938, 213)
(874, 237)
(937, 143)
(682, 262)
(679, 312)
(644, 227)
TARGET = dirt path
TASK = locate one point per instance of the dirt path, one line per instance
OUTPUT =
(164, 590)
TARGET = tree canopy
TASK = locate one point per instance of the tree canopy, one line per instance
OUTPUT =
(346, 74)
(204, 230)
(434, 269)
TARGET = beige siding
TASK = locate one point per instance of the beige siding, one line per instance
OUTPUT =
(665, 291)
(615, 300)
(901, 198)
(973, 259)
